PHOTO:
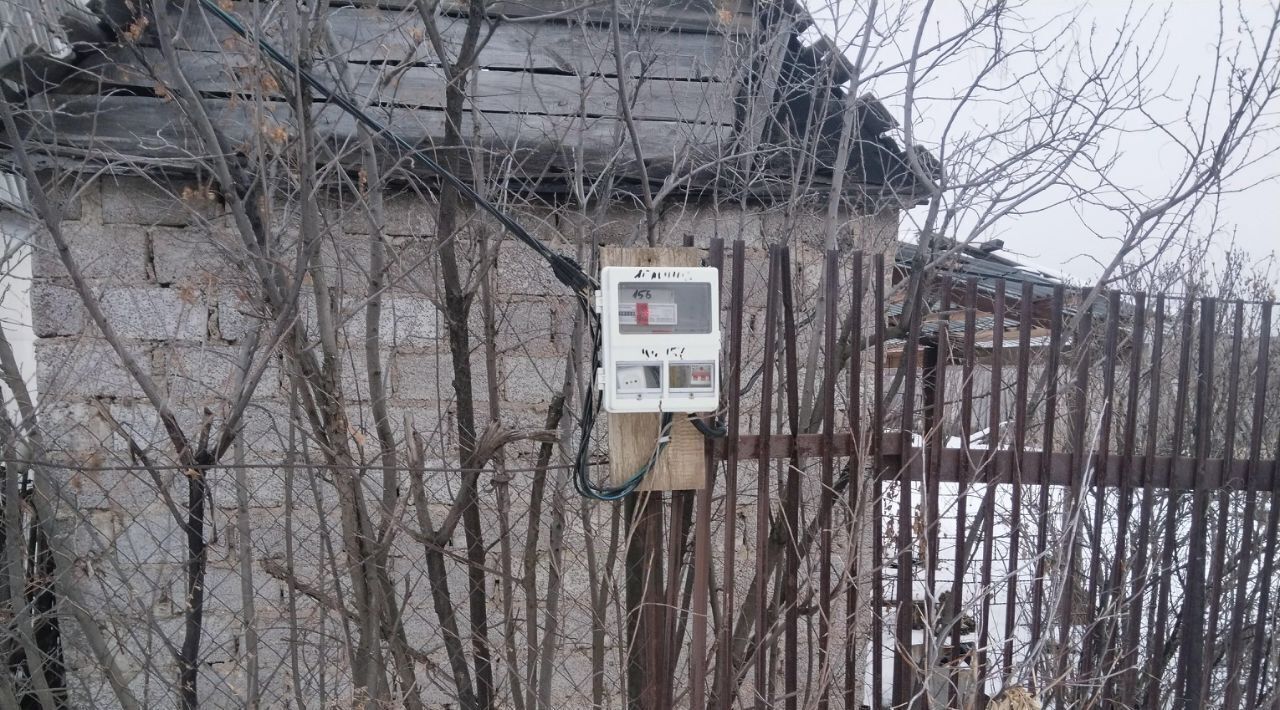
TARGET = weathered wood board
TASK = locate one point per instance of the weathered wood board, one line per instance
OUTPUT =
(703, 15)
(423, 87)
(399, 37)
(153, 129)
(683, 465)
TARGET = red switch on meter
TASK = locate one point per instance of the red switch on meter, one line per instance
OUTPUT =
(700, 375)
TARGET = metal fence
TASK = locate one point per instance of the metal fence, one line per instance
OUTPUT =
(1010, 491)
(932, 493)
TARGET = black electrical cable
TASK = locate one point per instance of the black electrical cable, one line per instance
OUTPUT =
(566, 270)
(711, 432)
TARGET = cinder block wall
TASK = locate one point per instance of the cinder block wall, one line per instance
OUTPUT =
(167, 267)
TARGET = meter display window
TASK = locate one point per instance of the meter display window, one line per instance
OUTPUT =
(649, 307)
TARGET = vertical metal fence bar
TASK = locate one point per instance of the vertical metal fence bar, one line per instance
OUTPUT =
(960, 561)
(904, 676)
(1131, 659)
(877, 488)
(724, 663)
(1157, 658)
(1026, 318)
(702, 536)
(761, 590)
(1192, 647)
(989, 478)
(831, 287)
(1231, 699)
(1228, 485)
(791, 495)
(1047, 447)
(1260, 636)
(1113, 593)
(856, 467)
(1089, 648)
(935, 379)
(1075, 503)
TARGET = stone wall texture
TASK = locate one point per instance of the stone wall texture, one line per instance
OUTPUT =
(171, 276)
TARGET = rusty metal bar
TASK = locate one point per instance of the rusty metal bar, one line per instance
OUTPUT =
(1190, 681)
(877, 491)
(960, 560)
(1114, 590)
(937, 352)
(771, 310)
(987, 467)
(1078, 417)
(1177, 473)
(1233, 693)
(1021, 394)
(856, 465)
(904, 676)
(725, 663)
(1130, 658)
(791, 494)
(831, 289)
(1217, 562)
(702, 537)
(1089, 645)
(1047, 445)
(1260, 636)
(1157, 656)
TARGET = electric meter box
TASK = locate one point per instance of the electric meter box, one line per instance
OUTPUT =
(660, 346)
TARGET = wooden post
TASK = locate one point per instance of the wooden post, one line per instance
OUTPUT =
(682, 466)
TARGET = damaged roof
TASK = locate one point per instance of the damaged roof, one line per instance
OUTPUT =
(544, 104)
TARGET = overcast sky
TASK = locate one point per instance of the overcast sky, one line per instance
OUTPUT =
(1062, 236)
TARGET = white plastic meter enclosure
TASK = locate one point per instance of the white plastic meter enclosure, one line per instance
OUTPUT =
(660, 346)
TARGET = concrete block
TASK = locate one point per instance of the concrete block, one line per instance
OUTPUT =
(223, 595)
(234, 315)
(125, 491)
(66, 190)
(69, 367)
(72, 427)
(531, 326)
(265, 426)
(872, 233)
(151, 313)
(150, 537)
(141, 201)
(409, 320)
(197, 255)
(430, 376)
(113, 253)
(56, 310)
(345, 258)
(405, 213)
(532, 380)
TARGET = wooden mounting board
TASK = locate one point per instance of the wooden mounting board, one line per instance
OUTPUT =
(683, 465)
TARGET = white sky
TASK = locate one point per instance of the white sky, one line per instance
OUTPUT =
(1062, 236)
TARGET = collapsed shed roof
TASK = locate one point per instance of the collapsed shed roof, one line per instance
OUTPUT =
(545, 104)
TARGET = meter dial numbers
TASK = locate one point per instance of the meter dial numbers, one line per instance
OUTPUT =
(645, 308)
